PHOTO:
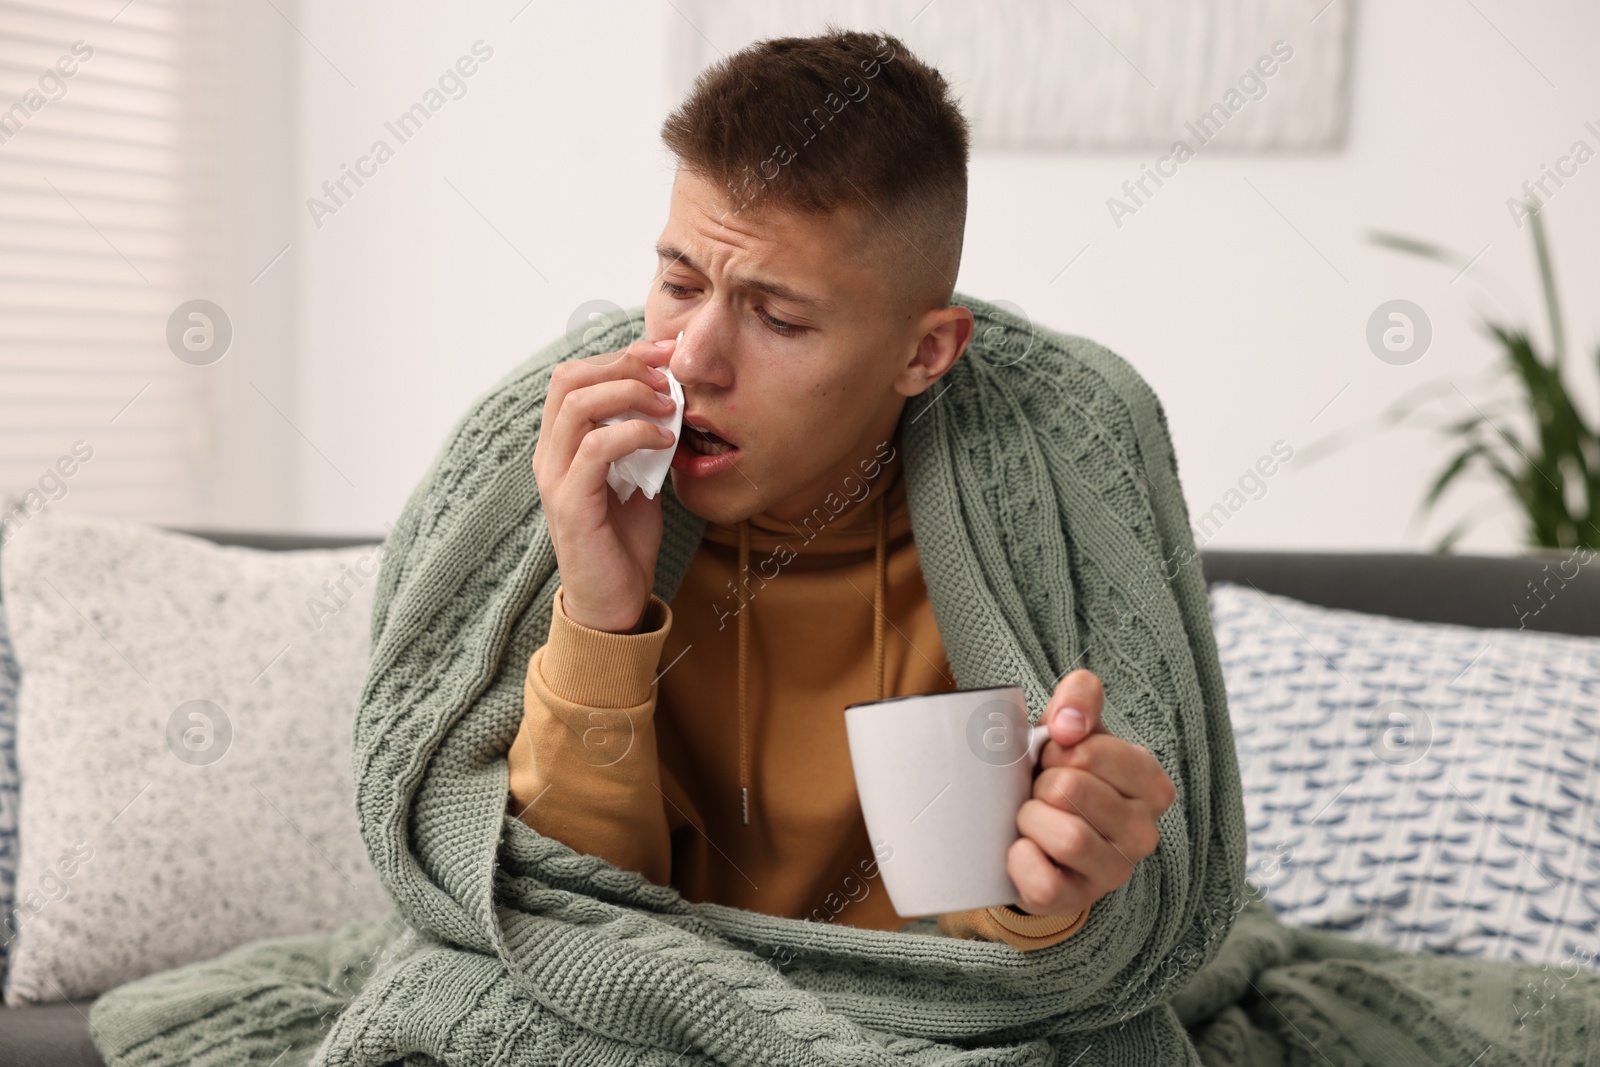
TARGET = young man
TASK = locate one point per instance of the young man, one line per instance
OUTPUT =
(809, 258)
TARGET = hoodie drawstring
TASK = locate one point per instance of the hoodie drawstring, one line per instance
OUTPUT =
(744, 630)
(880, 593)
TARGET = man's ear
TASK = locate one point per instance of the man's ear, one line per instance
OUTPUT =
(945, 334)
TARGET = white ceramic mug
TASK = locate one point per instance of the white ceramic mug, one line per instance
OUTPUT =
(940, 777)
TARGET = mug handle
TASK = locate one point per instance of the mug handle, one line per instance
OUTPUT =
(1037, 737)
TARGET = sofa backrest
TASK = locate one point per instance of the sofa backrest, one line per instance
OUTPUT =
(1556, 593)
(1552, 593)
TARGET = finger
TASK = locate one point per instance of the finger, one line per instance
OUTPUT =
(1129, 825)
(1079, 691)
(642, 360)
(1130, 769)
(1042, 886)
(602, 447)
(583, 410)
(655, 353)
(1082, 793)
(1073, 845)
(639, 360)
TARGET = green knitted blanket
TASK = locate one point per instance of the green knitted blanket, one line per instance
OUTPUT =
(1045, 503)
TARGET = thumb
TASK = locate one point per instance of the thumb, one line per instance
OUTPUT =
(1074, 709)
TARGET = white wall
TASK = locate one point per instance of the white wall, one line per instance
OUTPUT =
(546, 186)
(251, 480)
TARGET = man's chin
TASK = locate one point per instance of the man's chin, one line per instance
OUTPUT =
(721, 504)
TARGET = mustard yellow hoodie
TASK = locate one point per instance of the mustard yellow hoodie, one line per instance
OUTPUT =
(709, 751)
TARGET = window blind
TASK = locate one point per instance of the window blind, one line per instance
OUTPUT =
(103, 219)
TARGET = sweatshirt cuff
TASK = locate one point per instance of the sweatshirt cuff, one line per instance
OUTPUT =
(1005, 923)
(1036, 931)
(598, 669)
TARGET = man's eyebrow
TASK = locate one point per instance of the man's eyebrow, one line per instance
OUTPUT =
(782, 292)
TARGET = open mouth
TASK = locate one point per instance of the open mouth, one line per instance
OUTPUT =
(705, 442)
(704, 453)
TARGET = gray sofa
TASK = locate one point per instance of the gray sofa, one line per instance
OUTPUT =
(1467, 590)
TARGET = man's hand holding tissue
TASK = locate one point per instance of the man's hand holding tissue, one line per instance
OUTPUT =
(605, 549)
(1092, 816)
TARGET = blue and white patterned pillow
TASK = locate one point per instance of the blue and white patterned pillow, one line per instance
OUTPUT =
(8, 784)
(1434, 788)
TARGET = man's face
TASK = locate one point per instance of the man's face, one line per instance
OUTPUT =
(803, 381)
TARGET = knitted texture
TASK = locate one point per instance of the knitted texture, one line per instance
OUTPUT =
(1044, 499)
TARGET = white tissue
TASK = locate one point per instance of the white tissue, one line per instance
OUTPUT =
(647, 468)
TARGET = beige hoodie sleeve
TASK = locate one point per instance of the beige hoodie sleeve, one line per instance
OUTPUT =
(584, 768)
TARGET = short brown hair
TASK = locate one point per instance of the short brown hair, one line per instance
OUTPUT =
(843, 119)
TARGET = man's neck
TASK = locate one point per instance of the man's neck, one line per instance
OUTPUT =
(874, 456)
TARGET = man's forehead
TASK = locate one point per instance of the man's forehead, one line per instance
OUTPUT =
(702, 215)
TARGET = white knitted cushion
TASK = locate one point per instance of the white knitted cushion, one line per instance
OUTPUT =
(183, 736)
(1434, 788)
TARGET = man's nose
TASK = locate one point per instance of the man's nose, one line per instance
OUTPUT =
(698, 359)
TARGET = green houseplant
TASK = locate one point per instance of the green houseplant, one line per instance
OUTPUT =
(1550, 470)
